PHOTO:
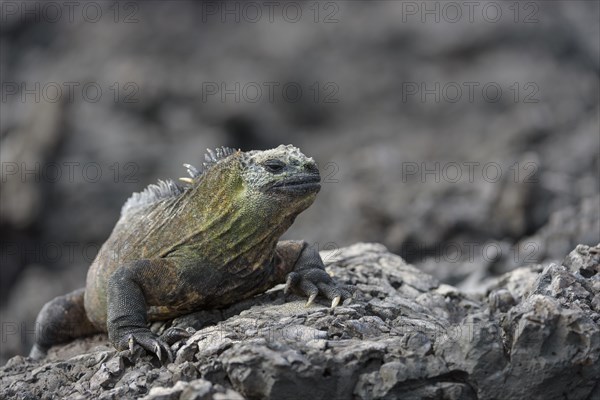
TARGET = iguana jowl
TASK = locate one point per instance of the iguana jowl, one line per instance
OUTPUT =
(208, 244)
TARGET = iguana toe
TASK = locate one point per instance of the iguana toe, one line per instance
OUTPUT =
(152, 344)
(293, 279)
(174, 334)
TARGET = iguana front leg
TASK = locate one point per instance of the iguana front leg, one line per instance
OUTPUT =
(309, 277)
(127, 318)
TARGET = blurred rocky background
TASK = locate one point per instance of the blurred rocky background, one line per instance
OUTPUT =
(464, 137)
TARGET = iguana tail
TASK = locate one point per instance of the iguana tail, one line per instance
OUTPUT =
(61, 320)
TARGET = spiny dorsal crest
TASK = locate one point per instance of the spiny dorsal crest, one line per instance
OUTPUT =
(168, 188)
(213, 157)
(153, 193)
(210, 158)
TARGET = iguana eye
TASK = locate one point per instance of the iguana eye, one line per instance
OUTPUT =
(274, 166)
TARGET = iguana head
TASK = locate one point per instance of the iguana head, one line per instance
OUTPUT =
(282, 175)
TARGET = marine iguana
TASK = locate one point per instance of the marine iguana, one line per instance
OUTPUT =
(207, 244)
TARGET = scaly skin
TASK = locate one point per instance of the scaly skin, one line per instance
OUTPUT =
(209, 245)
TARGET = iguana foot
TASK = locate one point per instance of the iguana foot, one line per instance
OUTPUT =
(311, 282)
(160, 346)
(149, 342)
(309, 278)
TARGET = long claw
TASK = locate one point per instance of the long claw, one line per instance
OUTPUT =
(311, 299)
(158, 351)
(131, 342)
(335, 301)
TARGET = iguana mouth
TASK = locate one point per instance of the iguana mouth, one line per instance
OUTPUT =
(297, 184)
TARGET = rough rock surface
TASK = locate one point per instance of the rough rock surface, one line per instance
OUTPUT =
(535, 334)
(471, 268)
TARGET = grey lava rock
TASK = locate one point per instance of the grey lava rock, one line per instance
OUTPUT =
(535, 334)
